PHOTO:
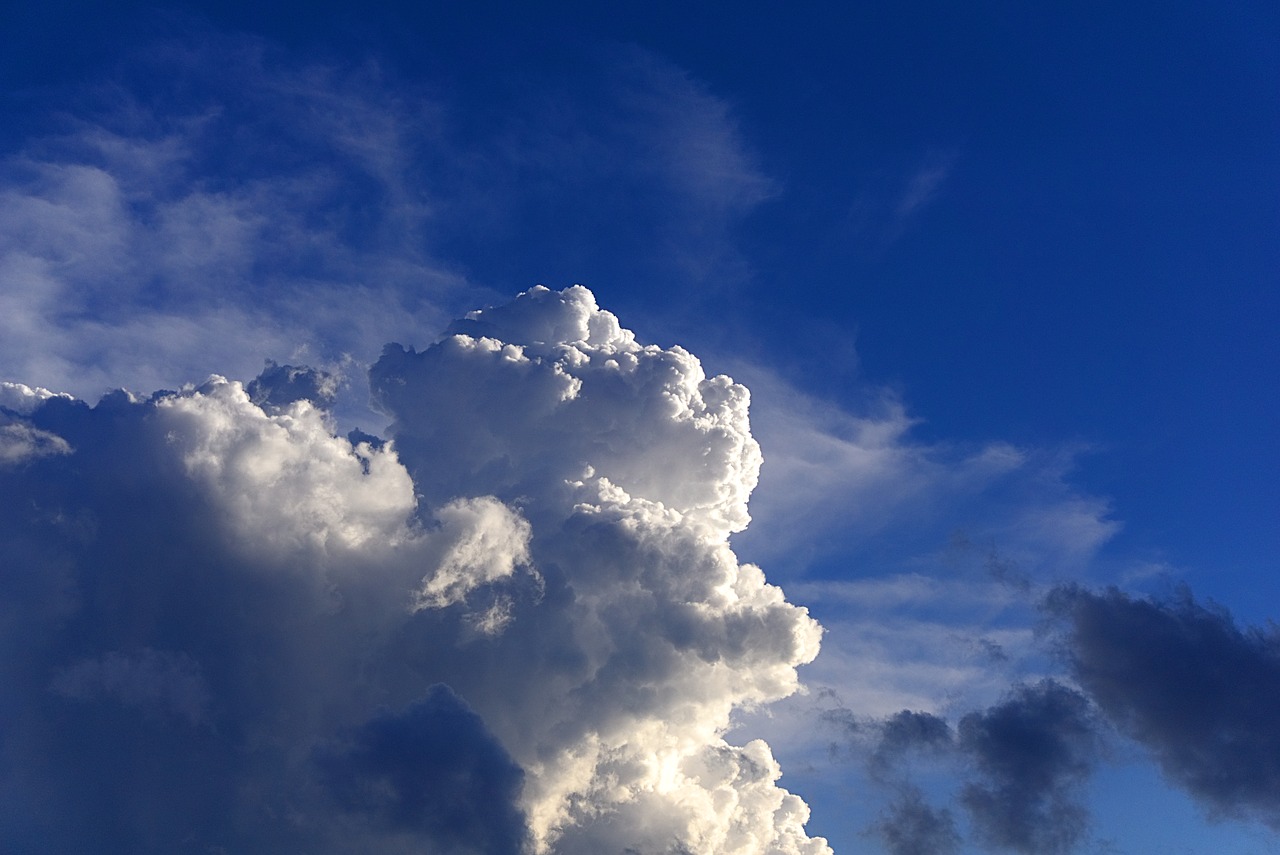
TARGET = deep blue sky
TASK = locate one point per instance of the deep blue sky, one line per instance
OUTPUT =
(1052, 227)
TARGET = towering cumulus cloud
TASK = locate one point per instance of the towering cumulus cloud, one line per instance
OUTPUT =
(514, 625)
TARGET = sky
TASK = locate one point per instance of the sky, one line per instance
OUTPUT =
(653, 428)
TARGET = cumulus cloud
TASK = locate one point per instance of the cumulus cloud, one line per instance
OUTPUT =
(1185, 681)
(514, 625)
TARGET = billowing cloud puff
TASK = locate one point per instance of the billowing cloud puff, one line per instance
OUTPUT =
(558, 380)
(515, 625)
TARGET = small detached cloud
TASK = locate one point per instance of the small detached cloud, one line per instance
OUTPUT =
(161, 682)
(1032, 752)
(911, 826)
(1016, 770)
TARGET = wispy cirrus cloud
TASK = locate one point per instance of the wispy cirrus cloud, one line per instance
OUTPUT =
(277, 221)
(224, 191)
(857, 479)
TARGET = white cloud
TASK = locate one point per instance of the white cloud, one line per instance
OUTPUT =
(545, 533)
(487, 542)
(284, 480)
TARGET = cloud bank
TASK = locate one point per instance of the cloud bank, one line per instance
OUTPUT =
(515, 625)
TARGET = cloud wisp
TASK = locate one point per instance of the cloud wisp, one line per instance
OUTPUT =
(222, 200)
(272, 208)
(514, 625)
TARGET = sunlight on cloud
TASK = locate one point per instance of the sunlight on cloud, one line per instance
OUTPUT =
(535, 564)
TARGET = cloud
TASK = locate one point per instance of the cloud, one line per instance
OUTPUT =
(1032, 753)
(281, 385)
(857, 479)
(222, 625)
(892, 198)
(1017, 768)
(909, 825)
(906, 731)
(20, 442)
(217, 203)
(923, 186)
(1186, 682)
(432, 770)
(913, 827)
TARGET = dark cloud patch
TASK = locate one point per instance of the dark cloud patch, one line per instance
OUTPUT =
(911, 826)
(1031, 753)
(281, 385)
(907, 731)
(435, 769)
(1182, 679)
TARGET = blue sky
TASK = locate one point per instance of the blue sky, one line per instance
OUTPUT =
(1002, 281)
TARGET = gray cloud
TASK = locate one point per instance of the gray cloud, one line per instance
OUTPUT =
(1189, 684)
(905, 732)
(432, 769)
(911, 826)
(281, 385)
(1031, 752)
(153, 680)
(1021, 765)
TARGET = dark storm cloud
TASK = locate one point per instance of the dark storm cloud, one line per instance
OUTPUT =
(1184, 680)
(1031, 752)
(909, 825)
